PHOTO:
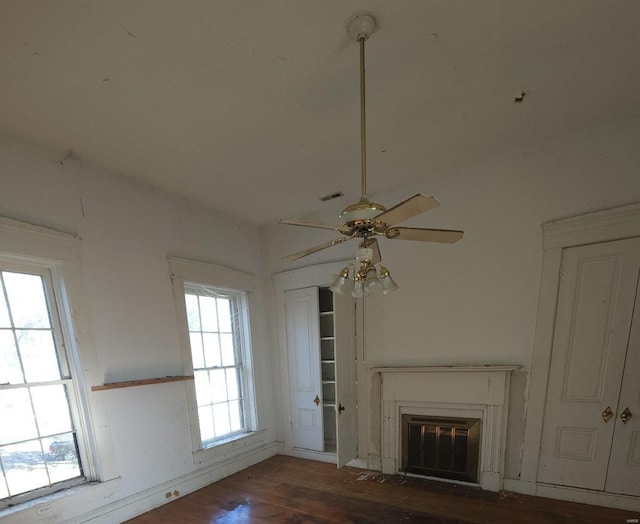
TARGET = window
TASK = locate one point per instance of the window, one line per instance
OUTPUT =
(213, 306)
(38, 441)
(213, 318)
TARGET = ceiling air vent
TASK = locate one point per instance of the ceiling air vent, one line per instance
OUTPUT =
(332, 196)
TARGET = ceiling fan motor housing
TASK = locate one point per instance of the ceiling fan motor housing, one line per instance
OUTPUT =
(361, 215)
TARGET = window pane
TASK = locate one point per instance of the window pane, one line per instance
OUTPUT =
(208, 314)
(38, 355)
(24, 466)
(62, 457)
(17, 418)
(211, 349)
(224, 314)
(26, 300)
(196, 350)
(233, 391)
(206, 423)
(5, 322)
(218, 386)
(10, 371)
(228, 354)
(52, 409)
(235, 412)
(203, 388)
(221, 419)
(193, 312)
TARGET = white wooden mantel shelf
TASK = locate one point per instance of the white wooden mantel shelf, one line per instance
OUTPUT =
(141, 382)
(430, 369)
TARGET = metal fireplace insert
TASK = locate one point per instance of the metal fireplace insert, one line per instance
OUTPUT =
(441, 447)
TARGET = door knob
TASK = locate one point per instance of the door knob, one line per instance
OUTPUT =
(625, 415)
(607, 414)
(317, 400)
(340, 408)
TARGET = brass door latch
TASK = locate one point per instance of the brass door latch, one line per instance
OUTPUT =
(625, 415)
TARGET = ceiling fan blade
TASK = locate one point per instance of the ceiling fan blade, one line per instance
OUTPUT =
(408, 209)
(319, 247)
(372, 243)
(307, 223)
(448, 236)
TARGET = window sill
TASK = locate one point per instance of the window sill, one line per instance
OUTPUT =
(229, 447)
(63, 504)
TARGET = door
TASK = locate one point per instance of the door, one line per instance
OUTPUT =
(303, 342)
(346, 385)
(624, 465)
(593, 319)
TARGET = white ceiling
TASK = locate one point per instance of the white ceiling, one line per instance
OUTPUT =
(251, 107)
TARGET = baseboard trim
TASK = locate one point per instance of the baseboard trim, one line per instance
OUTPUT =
(597, 498)
(519, 486)
(320, 456)
(134, 505)
(583, 496)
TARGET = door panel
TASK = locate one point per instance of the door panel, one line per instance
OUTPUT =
(624, 464)
(303, 343)
(346, 384)
(593, 318)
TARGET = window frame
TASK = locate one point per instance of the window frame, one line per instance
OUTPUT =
(184, 272)
(55, 256)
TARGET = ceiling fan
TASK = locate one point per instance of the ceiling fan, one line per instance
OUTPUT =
(366, 219)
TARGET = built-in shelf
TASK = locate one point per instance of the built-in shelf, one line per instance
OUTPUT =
(141, 382)
(328, 367)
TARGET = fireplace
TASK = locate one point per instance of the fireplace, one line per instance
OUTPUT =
(442, 447)
(465, 404)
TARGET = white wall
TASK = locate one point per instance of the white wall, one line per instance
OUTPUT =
(475, 302)
(127, 231)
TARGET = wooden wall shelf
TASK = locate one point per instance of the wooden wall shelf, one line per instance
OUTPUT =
(141, 382)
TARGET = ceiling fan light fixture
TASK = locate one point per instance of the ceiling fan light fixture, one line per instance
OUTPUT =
(388, 284)
(371, 282)
(342, 283)
(358, 289)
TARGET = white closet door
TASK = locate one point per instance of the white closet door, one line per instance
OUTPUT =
(624, 464)
(593, 319)
(346, 384)
(303, 343)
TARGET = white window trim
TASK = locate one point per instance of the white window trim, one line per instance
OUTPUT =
(59, 253)
(183, 270)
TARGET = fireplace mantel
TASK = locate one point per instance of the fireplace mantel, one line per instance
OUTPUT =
(476, 391)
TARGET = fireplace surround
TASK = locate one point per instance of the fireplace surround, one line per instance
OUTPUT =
(444, 393)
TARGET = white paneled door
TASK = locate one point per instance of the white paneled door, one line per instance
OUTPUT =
(624, 464)
(593, 372)
(303, 340)
(346, 383)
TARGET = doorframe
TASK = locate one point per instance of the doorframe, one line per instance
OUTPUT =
(590, 228)
(320, 275)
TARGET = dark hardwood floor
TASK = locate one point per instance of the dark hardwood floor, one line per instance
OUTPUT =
(292, 490)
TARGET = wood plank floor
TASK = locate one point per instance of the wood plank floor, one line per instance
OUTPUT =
(292, 490)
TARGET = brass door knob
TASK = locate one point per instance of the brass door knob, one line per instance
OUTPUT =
(607, 414)
(626, 415)
(317, 400)
(341, 408)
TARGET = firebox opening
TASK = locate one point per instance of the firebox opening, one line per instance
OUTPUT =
(442, 447)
